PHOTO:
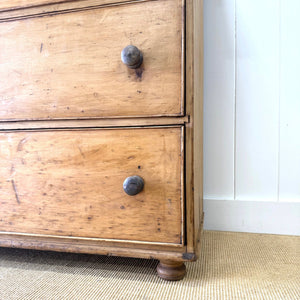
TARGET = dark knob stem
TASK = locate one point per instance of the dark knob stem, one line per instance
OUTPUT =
(132, 57)
(133, 185)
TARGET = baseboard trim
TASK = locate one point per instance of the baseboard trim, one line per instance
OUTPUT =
(252, 216)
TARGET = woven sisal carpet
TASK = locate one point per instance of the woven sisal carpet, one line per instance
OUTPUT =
(231, 266)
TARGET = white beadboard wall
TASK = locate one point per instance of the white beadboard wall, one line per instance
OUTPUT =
(252, 115)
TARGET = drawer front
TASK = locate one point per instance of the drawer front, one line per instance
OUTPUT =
(70, 183)
(69, 65)
(12, 4)
(6, 5)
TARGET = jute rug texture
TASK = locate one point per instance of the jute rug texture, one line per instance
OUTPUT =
(231, 266)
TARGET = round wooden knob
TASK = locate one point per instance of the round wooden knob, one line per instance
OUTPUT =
(132, 57)
(133, 185)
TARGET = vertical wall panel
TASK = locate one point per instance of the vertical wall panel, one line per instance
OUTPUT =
(219, 69)
(290, 102)
(257, 99)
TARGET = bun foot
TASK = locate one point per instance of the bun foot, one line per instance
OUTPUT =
(171, 270)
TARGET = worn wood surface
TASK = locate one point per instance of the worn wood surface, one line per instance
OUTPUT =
(194, 137)
(81, 46)
(61, 7)
(12, 4)
(93, 123)
(94, 247)
(70, 183)
(171, 270)
(69, 65)
(6, 5)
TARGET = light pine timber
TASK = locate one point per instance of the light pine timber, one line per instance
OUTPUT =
(190, 116)
(69, 66)
(60, 7)
(12, 5)
(95, 123)
(194, 136)
(70, 183)
(92, 247)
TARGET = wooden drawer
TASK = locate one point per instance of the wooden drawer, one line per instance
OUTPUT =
(12, 4)
(76, 123)
(70, 183)
(68, 65)
(6, 5)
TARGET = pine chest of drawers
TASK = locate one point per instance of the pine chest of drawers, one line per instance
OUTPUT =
(101, 128)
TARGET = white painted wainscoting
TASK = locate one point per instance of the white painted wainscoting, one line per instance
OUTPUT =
(252, 115)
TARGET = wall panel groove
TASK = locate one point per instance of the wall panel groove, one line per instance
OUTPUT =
(257, 99)
(289, 163)
(252, 102)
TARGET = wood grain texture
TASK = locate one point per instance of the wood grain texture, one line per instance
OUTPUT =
(93, 247)
(69, 65)
(171, 270)
(69, 183)
(60, 7)
(193, 130)
(61, 184)
(94, 123)
(12, 5)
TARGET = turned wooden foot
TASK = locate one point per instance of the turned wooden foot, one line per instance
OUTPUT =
(171, 270)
